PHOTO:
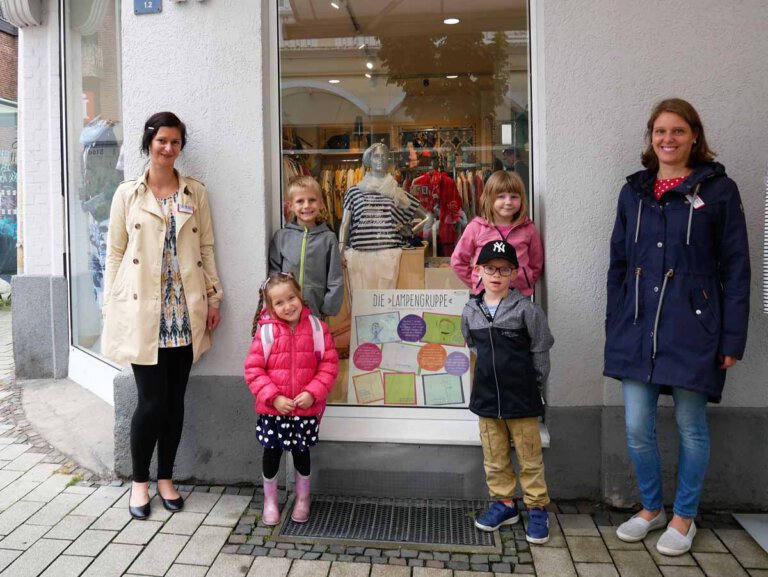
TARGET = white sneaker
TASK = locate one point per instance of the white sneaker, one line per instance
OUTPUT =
(674, 543)
(637, 528)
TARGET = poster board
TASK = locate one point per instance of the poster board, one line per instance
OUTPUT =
(406, 349)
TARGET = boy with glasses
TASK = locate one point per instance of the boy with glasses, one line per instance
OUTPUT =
(511, 338)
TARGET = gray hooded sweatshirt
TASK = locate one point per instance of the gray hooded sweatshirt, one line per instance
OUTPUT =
(312, 256)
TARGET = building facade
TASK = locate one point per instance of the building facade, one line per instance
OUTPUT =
(552, 90)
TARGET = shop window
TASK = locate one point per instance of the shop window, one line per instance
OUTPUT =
(444, 86)
(8, 190)
(91, 33)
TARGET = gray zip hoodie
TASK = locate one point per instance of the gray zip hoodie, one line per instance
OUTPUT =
(316, 251)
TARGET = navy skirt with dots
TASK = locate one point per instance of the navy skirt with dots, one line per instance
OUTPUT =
(289, 433)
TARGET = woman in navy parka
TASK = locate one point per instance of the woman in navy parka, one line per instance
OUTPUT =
(678, 304)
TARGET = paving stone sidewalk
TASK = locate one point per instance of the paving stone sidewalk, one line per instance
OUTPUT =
(59, 520)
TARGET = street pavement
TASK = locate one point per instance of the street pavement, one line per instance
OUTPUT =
(58, 519)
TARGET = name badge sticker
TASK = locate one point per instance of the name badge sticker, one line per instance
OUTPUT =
(696, 201)
(186, 208)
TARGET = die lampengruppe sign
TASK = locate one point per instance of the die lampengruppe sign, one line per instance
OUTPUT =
(407, 350)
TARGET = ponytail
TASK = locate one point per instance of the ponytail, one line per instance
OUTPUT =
(255, 326)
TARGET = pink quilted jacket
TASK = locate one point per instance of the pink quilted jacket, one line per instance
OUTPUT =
(292, 366)
(524, 237)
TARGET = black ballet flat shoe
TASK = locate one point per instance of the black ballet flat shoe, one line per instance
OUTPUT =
(141, 512)
(173, 505)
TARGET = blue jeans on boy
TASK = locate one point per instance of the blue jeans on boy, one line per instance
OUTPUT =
(640, 400)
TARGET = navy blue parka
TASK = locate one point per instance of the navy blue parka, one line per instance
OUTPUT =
(678, 282)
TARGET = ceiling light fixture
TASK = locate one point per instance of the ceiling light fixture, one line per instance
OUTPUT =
(334, 81)
(452, 76)
(368, 75)
(362, 46)
(451, 21)
(335, 5)
(369, 65)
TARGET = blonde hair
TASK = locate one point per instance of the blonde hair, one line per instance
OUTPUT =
(306, 182)
(274, 279)
(499, 182)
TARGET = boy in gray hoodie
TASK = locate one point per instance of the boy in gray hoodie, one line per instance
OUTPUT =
(511, 338)
(308, 249)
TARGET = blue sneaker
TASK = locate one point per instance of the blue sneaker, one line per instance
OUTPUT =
(498, 514)
(538, 526)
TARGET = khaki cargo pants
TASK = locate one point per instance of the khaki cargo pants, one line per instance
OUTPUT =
(499, 471)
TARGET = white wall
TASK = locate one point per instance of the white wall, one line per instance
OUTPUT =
(605, 63)
(42, 227)
(203, 61)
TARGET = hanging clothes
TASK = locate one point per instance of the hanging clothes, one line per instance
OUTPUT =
(441, 191)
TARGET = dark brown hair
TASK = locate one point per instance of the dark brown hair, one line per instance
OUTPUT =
(700, 152)
(272, 281)
(156, 122)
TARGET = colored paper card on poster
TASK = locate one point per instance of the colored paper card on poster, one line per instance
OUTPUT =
(147, 6)
(457, 363)
(432, 357)
(368, 387)
(411, 328)
(442, 389)
(377, 328)
(399, 388)
(367, 357)
(443, 329)
(399, 357)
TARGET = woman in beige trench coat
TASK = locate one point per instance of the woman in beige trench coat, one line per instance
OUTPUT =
(162, 296)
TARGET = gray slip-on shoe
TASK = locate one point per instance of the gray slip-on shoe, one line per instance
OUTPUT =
(637, 528)
(674, 543)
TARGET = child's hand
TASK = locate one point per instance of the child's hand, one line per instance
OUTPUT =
(343, 263)
(284, 405)
(304, 400)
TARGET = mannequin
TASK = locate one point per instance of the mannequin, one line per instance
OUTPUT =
(376, 224)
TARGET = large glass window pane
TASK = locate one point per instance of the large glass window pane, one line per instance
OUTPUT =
(8, 190)
(444, 85)
(94, 141)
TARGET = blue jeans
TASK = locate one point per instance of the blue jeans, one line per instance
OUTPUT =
(640, 401)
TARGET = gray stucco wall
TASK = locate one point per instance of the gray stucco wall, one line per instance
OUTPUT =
(40, 327)
(601, 66)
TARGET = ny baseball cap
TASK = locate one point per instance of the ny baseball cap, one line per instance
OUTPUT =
(497, 249)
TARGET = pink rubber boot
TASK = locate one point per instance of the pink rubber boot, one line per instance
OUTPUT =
(300, 512)
(271, 515)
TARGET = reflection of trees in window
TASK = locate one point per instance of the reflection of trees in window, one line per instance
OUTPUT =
(420, 64)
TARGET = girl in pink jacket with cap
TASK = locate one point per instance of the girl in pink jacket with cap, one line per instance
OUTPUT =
(504, 209)
(290, 379)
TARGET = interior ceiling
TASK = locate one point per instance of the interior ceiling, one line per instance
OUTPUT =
(319, 19)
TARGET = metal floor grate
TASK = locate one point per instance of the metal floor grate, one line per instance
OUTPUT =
(418, 523)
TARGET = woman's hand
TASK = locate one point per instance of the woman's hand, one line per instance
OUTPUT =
(727, 362)
(214, 317)
(304, 400)
(284, 405)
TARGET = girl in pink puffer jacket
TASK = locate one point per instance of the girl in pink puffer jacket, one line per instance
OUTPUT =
(290, 386)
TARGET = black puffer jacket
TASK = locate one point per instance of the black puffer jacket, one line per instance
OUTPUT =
(512, 356)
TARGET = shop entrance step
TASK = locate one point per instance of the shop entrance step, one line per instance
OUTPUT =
(426, 524)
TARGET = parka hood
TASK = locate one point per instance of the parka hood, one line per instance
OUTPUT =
(642, 181)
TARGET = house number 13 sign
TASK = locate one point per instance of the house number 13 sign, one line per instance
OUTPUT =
(147, 6)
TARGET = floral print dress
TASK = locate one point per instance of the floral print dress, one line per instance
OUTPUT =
(175, 327)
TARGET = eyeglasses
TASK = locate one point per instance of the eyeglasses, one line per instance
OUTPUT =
(502, 270)
(274, 276)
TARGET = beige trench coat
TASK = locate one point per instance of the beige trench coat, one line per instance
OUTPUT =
(132, 302)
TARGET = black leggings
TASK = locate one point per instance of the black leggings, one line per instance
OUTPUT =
(270, 462)
(159, 415)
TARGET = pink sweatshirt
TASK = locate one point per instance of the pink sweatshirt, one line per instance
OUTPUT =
(524, 237)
